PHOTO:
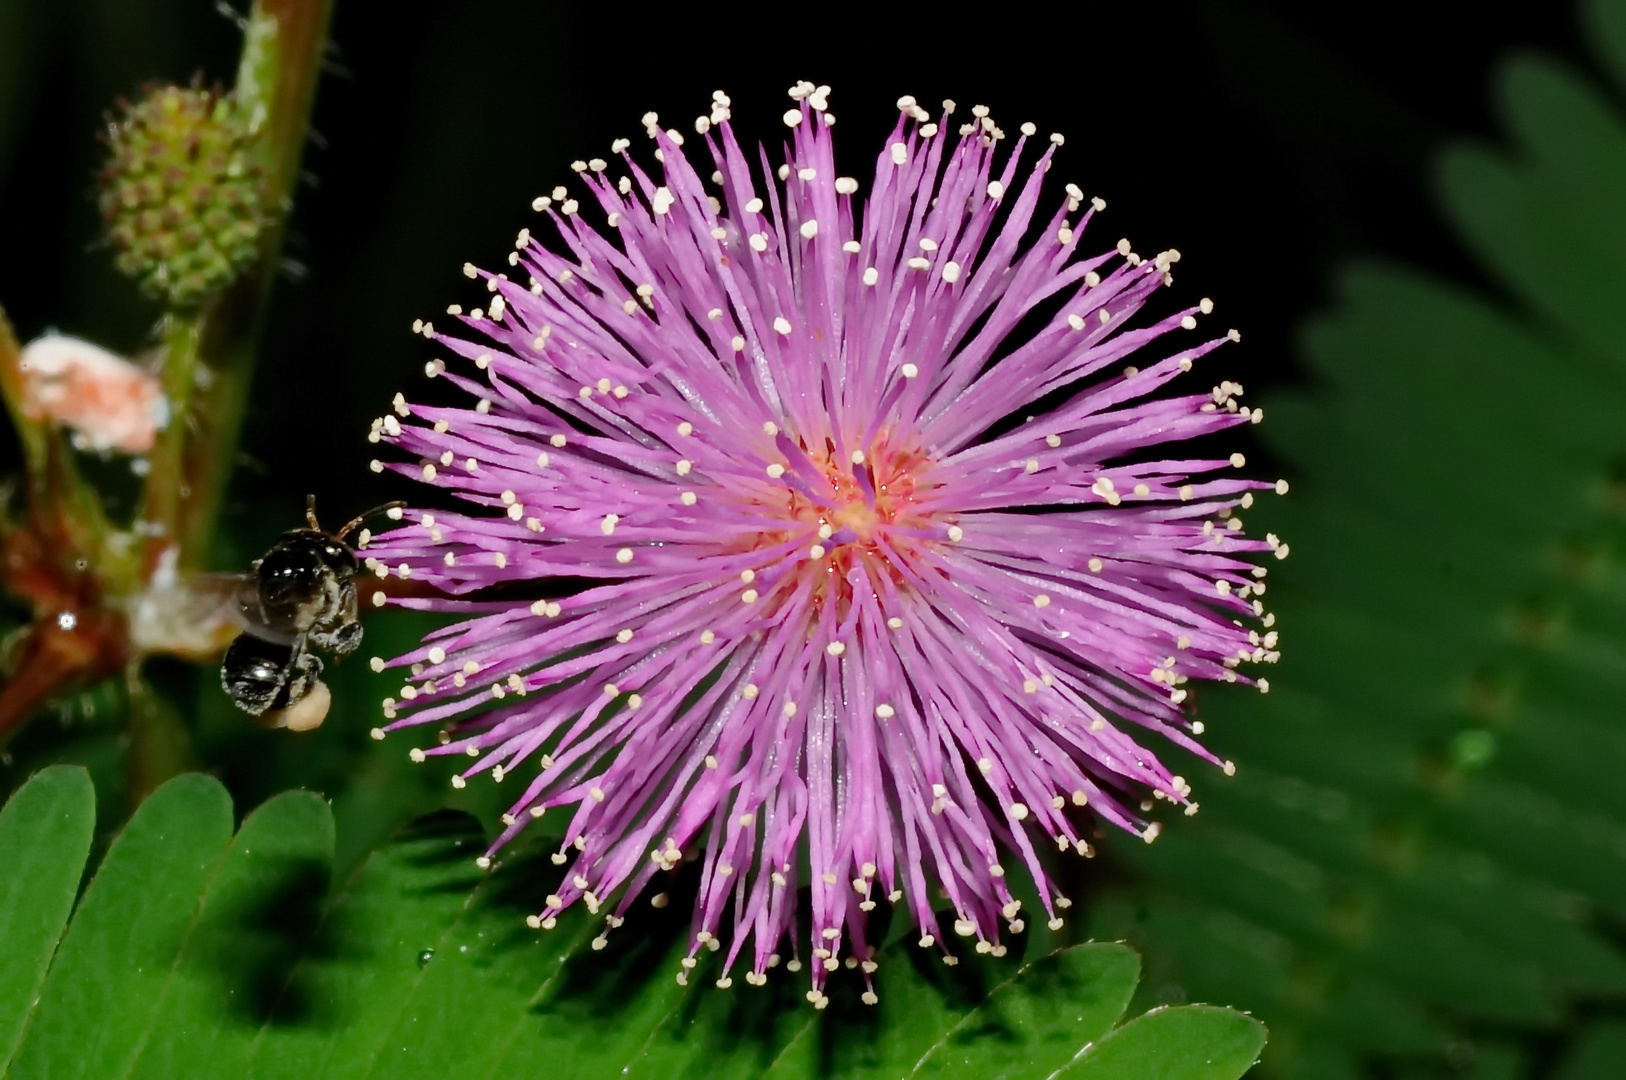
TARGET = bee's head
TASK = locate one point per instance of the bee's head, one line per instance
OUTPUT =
(320, 550)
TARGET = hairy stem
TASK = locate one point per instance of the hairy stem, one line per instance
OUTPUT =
(167, 490)
(29, 431)
(276, 86)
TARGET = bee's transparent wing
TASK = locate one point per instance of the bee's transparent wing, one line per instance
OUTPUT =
(252, 617)
(195, 616)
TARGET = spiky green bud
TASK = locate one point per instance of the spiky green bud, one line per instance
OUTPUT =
(182, 193)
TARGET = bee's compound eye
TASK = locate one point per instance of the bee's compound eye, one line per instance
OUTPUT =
(339, 557)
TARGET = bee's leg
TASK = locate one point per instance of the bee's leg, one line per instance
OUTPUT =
(305, 698)
(337, 629)
(346, 639)
(340, 640)
(348, 634)
(304, 672)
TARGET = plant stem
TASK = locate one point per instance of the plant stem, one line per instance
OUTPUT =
(29, 431)
(159, 744)
(276, 86)
(167, 490)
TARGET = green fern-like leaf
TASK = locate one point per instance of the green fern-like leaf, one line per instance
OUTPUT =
(198, 953)
(1429, 830)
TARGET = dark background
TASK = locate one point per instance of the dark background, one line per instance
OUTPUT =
(1266, 140)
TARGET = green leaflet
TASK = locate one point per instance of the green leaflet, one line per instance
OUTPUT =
(45, 833)
(1600, 1054)
(1428, 825)
(1033, 1025)
(198, 953)
(107, 985)
(257, 913)
(1188, 1042)
(420, 969)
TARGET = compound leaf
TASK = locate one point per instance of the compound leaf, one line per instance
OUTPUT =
(200, 953)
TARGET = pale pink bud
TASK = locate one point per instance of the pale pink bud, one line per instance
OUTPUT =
(110, 403)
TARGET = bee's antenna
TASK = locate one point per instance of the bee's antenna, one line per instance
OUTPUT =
(359, 518)
(310, 512)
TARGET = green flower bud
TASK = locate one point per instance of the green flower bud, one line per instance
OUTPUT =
(182, 193)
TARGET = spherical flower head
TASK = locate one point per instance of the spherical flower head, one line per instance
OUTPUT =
(883, 561)
(182, 193)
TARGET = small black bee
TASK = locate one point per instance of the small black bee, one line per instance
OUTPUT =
(301, 593)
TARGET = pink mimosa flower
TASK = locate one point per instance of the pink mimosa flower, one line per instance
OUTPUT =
(850, 552)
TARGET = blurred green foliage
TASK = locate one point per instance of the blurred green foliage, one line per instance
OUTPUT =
(1423, 861)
